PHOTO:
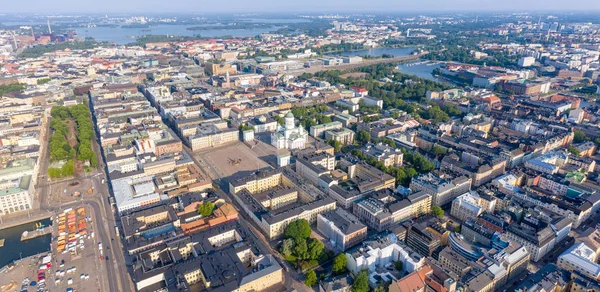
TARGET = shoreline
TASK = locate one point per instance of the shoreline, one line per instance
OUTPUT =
(17, 222)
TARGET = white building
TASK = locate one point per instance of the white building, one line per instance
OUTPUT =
(580, 257)
(526, 61)
(17, 183)
(288, 136)
(466, 206)
(382, 253)
(15, 195)
(134, 193)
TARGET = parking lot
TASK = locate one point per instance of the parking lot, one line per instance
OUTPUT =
(77, 259)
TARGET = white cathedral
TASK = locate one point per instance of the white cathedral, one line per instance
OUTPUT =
(288, 136)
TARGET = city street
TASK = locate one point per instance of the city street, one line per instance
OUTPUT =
(55, 195)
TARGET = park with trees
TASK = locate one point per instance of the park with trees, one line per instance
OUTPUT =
(299, 248)
(71, 140)
(406, 92)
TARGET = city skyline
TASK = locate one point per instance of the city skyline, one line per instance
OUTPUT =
(270, 6)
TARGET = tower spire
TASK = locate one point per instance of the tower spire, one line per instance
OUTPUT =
(49, 28)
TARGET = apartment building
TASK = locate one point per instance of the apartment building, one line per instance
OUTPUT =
(312, 165)
(482, 173)
(384, 153)
(319, 130)
(382, 209)
(343, 135)
(580, 257)
(211, 135)
(442, 187)
(341, 228)
(471, 205)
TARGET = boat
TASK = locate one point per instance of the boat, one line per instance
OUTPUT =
(2, 242)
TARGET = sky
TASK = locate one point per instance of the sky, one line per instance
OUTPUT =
(254, 6)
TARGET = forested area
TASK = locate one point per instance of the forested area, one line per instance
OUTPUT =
(39, 50)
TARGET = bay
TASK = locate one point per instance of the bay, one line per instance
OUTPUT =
(123, 36)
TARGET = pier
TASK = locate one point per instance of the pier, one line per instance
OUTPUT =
(27, 235)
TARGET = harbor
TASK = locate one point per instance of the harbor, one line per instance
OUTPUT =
(27, 235)
(14, 249)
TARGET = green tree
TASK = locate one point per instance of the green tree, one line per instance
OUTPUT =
(206, 209)
(299, 229)
(457, 229)
(13, 87)
(287, 247)
(339, 264)
(363, 137)
(579, 136)
(438, 150)
(361, 282)
(452, 110)
(311, 278)
(437, 211)
(382, 287)
(315, 248)
(279, 120)
(300, 249)
(337, 145)
(398, 265)
(573, 150)
(43, 81)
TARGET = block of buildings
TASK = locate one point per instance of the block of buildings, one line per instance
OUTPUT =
(362, 179)
(223, 258)
(273, 200)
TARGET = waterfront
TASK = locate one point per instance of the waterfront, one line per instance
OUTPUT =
(14, 248)
(377, 52)
(421, 69)
(123, 36)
